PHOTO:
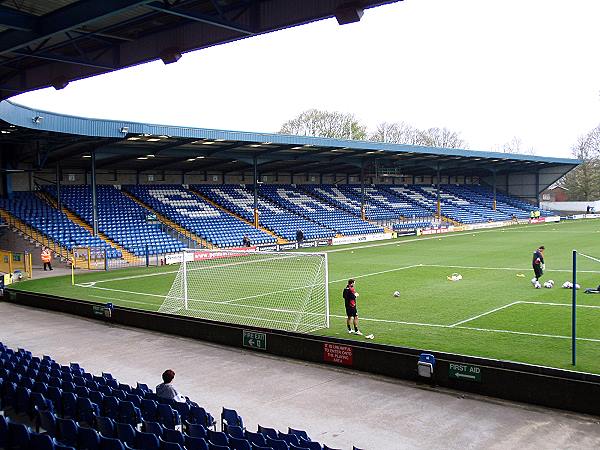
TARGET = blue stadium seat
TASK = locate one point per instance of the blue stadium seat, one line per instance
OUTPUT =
(126, 433)
(195, 443)
(196, 430)
(197, 215)
(311, 445)
(266, 431)
(111, 444)
(105, 426)
(153, 427)
(39, 441)
(88, 439)
(231, 417)
(171, 435)
(17, 436)
(218, 437)
(234, 431)
(147, 441)
(277, 444)
(255, 438)
(299, 433)
(68, 431)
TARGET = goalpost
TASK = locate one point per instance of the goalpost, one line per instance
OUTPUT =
(285, 291)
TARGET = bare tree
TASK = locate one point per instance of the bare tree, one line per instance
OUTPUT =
(583, 182)
(404, 133)
(441, 137)
(330, 124)
(512, 146)
(515, 146)
(396, 133)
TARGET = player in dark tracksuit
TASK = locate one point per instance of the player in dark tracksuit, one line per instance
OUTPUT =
(538, 263)
(350, 300)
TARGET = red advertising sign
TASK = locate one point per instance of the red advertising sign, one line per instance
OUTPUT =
(338, 354)
(537, 220)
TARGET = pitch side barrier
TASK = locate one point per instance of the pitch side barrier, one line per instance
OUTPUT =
(549, 387)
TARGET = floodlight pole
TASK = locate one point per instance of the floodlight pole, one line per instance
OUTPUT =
(574, 311)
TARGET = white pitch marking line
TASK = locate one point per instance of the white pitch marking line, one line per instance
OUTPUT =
(483, 314)
(504, 268)
(430, 325)
(459, 327)
(398, 322)
(560, 304)
(436, 236)
(218, 266)
(396, 269)
(491, 330)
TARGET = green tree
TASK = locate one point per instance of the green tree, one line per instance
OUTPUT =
(329, 124)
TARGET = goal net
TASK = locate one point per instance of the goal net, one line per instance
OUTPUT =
(285, 291)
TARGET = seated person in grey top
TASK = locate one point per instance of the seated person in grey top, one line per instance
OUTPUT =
(167, 390)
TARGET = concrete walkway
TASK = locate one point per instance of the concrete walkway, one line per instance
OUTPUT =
(337, 407)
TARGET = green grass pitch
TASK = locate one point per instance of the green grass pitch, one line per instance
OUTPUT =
(492, 312)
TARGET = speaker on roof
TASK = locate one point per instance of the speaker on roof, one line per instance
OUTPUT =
(348, 13)
(170, 55)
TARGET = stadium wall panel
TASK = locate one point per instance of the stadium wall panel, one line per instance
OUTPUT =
(555, 388)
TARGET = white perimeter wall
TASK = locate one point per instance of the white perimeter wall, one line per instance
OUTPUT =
(571, 206)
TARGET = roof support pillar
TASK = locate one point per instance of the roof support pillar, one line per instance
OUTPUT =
(5, 175)
(537, 188)
(137, 177)
(494, 190)
(58, 199)
(255, 192)
(362, 192)
(439, 200)
(94, 202)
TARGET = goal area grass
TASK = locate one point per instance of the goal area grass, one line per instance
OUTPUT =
(493, 311)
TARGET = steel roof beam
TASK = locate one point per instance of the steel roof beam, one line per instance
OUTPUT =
(64, 59)
(209, 20)
(64, 19)
(16, 20)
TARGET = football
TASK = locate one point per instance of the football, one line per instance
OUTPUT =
(396, 294)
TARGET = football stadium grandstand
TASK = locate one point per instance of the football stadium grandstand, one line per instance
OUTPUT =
(236, 238)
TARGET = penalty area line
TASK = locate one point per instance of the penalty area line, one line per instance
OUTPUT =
(482, 314)
(462, 327)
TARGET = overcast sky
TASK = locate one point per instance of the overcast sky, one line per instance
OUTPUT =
(491, 70)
